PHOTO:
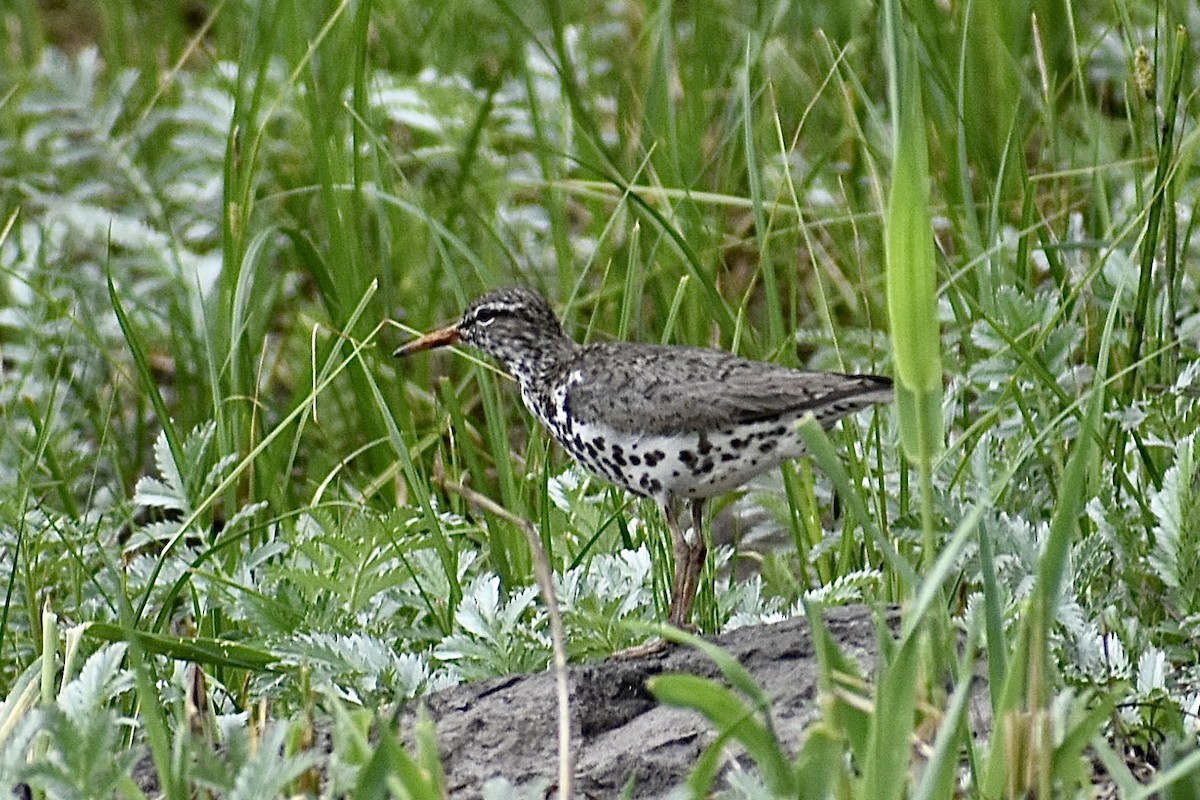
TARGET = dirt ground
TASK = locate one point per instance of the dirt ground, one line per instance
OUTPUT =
(506, 728)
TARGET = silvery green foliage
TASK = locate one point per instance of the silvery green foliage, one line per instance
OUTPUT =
(140, 569)
(1015, 547)
(374, 573)
(14, 750)
(1030, 323)
(744, 603)
(109, 184)
(599, 595)
(170, 492)
(357, 667)
(178, 491)
(182, 487)
(852, 587)
(1097, 657)
(162, 166)
(1150, 693)
(612, 585)
(1175, 555)
(495, 635)
(174, 498)
(575, 493)
(86, 757)
(434, 110)
(562, 487)
(437, 113)
(1191, 716)
(249, 771)
(352, 601)
(85, 753)
(741, 784)
(52, 546)
(20, 723)
(503, 789)
(101, 680)
(1022, 344)
(159, 177)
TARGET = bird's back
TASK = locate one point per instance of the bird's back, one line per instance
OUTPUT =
(665, 389)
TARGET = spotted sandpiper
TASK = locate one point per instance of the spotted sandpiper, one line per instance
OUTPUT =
(667, 422)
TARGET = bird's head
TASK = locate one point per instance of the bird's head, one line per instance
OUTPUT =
(515, 326)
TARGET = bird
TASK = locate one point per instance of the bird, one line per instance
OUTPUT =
(674, 423)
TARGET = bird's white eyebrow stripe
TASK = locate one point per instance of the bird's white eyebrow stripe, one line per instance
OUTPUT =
(496, 306)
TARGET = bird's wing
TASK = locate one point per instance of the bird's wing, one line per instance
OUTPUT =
(658, 389)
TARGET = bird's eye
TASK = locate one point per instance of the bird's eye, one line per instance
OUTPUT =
(485, 316)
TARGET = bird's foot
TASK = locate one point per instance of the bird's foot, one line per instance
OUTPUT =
(650, 648)
(653, 647)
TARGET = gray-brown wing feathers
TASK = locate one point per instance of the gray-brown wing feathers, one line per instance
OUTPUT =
(664, 390)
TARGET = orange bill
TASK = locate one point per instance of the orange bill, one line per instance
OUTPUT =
(445, 336)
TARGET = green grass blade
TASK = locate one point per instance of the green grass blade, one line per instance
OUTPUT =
(729, 666)
(145, 374)
(839, 673)
(911, 275)
(762, 225)
(819, 764)
(729, 715)
(198, 649)
(820, 449)
(940, 772)
(886, 768)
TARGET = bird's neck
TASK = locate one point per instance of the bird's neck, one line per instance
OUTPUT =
(535, 361)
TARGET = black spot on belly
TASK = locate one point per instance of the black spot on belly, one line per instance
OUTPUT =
(767, 446)
(649, 485)
(653, 457)
(739, 444)
(687, 457)
(599, 442)
(635, 460)
(727, 456)
(704, 445)
(705, 467)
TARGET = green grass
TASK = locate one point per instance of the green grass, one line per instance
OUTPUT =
(210, 456)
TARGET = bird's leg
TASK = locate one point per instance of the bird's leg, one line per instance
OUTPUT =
(693, 565)
(679, 611)
(689, 561)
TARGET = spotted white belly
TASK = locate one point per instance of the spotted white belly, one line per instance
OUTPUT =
(690, 464)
